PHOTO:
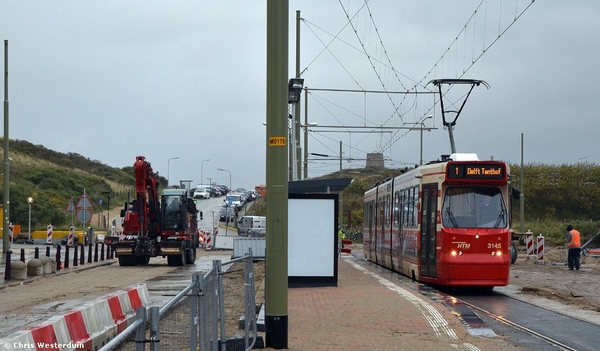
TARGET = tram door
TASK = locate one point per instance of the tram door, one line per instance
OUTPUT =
(428, 230)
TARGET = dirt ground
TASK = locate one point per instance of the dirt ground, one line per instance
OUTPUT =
(554, 280)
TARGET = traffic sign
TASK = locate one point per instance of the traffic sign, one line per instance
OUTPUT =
(84, 202)
(84, 215)
(70, 207)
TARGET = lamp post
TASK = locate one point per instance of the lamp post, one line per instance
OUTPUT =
(224, 170)
(421, 148)
(202, 171)
(29, 201)
(295, 86)
(169, 168)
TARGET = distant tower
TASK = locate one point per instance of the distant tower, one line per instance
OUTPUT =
(375, 160)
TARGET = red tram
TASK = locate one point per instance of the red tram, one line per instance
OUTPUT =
(443, 223)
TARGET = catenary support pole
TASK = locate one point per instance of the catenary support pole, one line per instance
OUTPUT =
(276, 268)
(6, 184)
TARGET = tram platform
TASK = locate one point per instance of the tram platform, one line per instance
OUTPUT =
(370, 310)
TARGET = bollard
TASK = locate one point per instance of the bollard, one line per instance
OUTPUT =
(67, 256)
(540, 249)
(49, 235)
(75, 261)
(82, 257)
(53, 268)
(71, 235)
(7, 266)
(47, 251)
(18, 270)
(36, 253)
(102, 252)
(90, 253)
(95, 252)
(46, 265)
(35, 267)
(10, 234)
(529, 243)
(22, 255)
(58, 263)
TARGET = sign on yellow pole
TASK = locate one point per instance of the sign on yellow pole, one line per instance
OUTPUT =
(276, 141)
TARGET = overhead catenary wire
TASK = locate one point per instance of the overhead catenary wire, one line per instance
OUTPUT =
(473, 40)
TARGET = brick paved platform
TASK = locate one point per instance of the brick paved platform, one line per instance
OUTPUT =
(372, 311)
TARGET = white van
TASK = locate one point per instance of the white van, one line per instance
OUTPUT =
(250, 222)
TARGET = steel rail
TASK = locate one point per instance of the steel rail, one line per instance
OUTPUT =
(520, 327)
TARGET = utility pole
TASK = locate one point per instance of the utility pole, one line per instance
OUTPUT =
(276, 268)
(6, 196)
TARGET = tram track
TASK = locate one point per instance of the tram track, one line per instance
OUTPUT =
(526, 324)
(521, 328)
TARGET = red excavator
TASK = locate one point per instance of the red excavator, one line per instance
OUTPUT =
(154, 227)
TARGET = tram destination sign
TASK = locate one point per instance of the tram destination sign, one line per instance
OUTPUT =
(476, 171)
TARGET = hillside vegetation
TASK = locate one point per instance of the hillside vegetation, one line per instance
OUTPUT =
(555, 195)
(52, 178)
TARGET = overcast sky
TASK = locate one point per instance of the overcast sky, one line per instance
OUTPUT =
(114, 79)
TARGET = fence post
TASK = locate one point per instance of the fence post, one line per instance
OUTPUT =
(154, 327)
(140, 333)
(194, 318)
(250, 308)
(217, 264)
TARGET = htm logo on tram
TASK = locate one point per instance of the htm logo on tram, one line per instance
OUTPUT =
(463, 245)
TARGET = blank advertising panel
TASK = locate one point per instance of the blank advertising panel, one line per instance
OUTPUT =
(312, 239)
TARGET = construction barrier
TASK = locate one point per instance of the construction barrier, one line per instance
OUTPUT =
(208, 241)
(529, 243)
(71, 235)
(87, 328)
(11, 234)
(346, 246)
(49, 234)
(540, 249)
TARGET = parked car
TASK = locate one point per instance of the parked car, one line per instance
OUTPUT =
(257, 232)
(202, 193)
(226, 213)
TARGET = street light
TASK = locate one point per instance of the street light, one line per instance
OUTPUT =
(169, 168)
(224, 170)
(29, 201)
(202, 171)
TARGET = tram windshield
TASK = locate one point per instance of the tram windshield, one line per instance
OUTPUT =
(474, 207)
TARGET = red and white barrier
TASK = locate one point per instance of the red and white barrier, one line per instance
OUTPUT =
(21, 340)
(11, 234)
(540, 249)
(88, 328)
(208, 241)
(71, 236)
(49, 234)
(529, 243)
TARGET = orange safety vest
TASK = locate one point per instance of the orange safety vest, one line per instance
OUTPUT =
(575, 238)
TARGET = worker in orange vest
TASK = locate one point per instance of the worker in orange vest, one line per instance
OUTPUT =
(574, 243)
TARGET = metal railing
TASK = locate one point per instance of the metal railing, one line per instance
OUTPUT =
(195, 318)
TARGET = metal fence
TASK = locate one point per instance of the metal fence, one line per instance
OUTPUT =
(195, 319)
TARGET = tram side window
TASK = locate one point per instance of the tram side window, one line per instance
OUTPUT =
(388, 209)
(405, 209)
(396, 209)
(411, 208)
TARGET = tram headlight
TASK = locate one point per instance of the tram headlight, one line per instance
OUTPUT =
(453, 253)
